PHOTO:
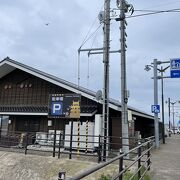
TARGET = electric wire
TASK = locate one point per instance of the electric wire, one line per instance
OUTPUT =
(147, 10)
(86, 37)
(84, 42)
(91, 35)
(88, 68)
(153, 13)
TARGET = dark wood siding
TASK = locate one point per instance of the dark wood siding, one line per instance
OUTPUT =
(116, 132)
(19, 88)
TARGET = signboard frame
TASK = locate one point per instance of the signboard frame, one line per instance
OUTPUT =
(64, 106)
(155, 109)
(175, 68)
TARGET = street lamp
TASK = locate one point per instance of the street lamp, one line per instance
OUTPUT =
(162, 70)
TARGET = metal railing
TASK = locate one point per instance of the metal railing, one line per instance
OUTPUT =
(143, 149)
(57, 144)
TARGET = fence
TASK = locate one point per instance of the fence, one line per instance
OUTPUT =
(142, 159)
(57, 144)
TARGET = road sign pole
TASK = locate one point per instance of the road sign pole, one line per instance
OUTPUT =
(156, 121)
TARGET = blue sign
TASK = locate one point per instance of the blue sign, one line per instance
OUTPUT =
(155, 109)
(64, 106)
(175, 68)
(56, 108)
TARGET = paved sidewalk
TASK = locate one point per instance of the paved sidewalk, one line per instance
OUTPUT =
(166, 160)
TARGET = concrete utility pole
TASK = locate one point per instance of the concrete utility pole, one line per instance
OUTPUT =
(173, 103)
(169, 114)
(162, 99)
(106, 48)
(156, 121)
(124, 95)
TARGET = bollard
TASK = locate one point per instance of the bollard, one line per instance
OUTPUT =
(62, 175)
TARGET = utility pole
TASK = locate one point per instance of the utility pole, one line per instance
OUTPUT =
(106, 48)
(173, 116)
(169, 116)
(124, 95)
(162, 96)
(156, 121)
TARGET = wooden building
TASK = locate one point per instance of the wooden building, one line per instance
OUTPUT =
(24, 99)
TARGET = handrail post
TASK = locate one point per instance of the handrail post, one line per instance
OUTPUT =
(59, 146)
(71, 139)
(139, 161)
(148, 156)
(120, 164)
(99, 149)
(54, 144)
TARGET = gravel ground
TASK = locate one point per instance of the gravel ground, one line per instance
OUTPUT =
(18, 166)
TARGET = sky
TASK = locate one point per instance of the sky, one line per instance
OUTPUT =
(46, 35)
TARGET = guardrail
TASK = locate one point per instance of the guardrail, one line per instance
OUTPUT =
(140, 154)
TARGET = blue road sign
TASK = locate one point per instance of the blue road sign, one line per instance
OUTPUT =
(56, 108)
(175, 68)
(155, 109)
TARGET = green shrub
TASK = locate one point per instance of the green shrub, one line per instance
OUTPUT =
(105, 177)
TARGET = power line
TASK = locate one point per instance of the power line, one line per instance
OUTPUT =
(93, 34)
(86, 37)
(148, 10)
(156, 12)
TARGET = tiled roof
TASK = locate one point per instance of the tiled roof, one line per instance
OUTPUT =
(33, 109)
(40, 109)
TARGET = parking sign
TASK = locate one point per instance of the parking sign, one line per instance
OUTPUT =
(155, 109)
(56, 108)
(64, 105)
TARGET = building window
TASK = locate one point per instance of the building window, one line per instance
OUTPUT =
(49, 122)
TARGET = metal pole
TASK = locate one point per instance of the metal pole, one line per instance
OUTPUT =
(54, 143)
(173, 117)
(139, 161)
(124, 98)
(169, 117)
(71, 139)
(106, 48)
(59, 150)
(162, 96)
(156, 121)
(121, 165)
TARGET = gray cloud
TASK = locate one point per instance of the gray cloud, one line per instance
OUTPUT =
(26, 37)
